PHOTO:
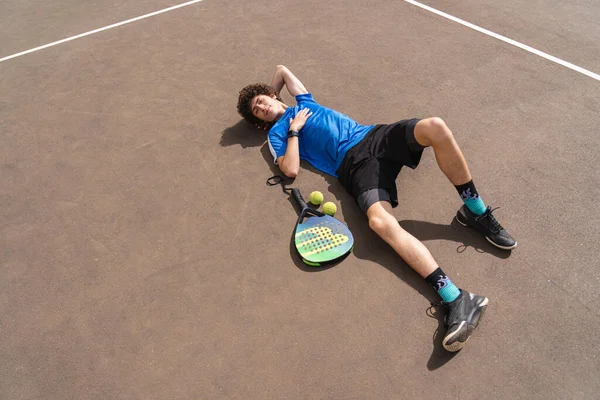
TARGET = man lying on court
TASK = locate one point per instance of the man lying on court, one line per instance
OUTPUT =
(367, 161)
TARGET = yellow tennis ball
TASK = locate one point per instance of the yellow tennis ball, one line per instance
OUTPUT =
(316, 197)
(329, 208)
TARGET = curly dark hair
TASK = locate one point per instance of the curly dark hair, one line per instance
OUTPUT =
(246, 96)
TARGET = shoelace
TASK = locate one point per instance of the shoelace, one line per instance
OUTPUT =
(432, 306)
(494, 224)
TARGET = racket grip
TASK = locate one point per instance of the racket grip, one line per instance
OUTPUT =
(298, 197)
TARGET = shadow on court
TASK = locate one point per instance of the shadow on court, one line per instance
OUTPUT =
(242, 134)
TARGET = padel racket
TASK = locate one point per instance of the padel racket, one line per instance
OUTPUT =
(319, 238)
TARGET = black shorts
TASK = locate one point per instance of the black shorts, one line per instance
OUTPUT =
(375, 162)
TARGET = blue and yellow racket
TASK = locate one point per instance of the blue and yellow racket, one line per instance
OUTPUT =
(319, 238)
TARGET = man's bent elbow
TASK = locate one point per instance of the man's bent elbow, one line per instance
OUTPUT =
(291, 173)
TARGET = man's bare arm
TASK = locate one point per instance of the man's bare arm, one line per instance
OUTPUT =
(284, 77)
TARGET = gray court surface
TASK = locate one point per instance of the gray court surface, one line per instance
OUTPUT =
(143, 256)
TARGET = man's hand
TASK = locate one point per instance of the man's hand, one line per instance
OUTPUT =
(297, 123)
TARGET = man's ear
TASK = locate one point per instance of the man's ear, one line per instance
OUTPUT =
(273, 96)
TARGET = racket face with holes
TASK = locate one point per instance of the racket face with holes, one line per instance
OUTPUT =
(322, 239)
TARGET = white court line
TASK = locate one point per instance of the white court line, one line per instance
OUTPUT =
(507, 40)
(415, 3)
(99, 30)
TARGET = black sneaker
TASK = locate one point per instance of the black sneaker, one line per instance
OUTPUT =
(488, 225)
(462, 317)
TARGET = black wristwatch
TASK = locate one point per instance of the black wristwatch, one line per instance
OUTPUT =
(292, 133)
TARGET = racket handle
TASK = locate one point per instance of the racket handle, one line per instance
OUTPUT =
(298, 197)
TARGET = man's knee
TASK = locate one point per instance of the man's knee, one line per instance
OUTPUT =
(435, 130)
(380, 220)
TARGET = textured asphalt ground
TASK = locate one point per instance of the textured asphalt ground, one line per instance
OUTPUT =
(143, 256)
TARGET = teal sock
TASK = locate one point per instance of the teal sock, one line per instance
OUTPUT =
(476, 206)
(443, 286)
(449, 293)
(468, 194)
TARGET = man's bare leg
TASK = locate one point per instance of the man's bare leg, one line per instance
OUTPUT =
(412, 251)
(462, 314)
(435, 133)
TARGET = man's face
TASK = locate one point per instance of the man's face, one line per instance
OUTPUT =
(266, 108)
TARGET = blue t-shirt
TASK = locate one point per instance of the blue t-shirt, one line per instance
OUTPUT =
(325, 138)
